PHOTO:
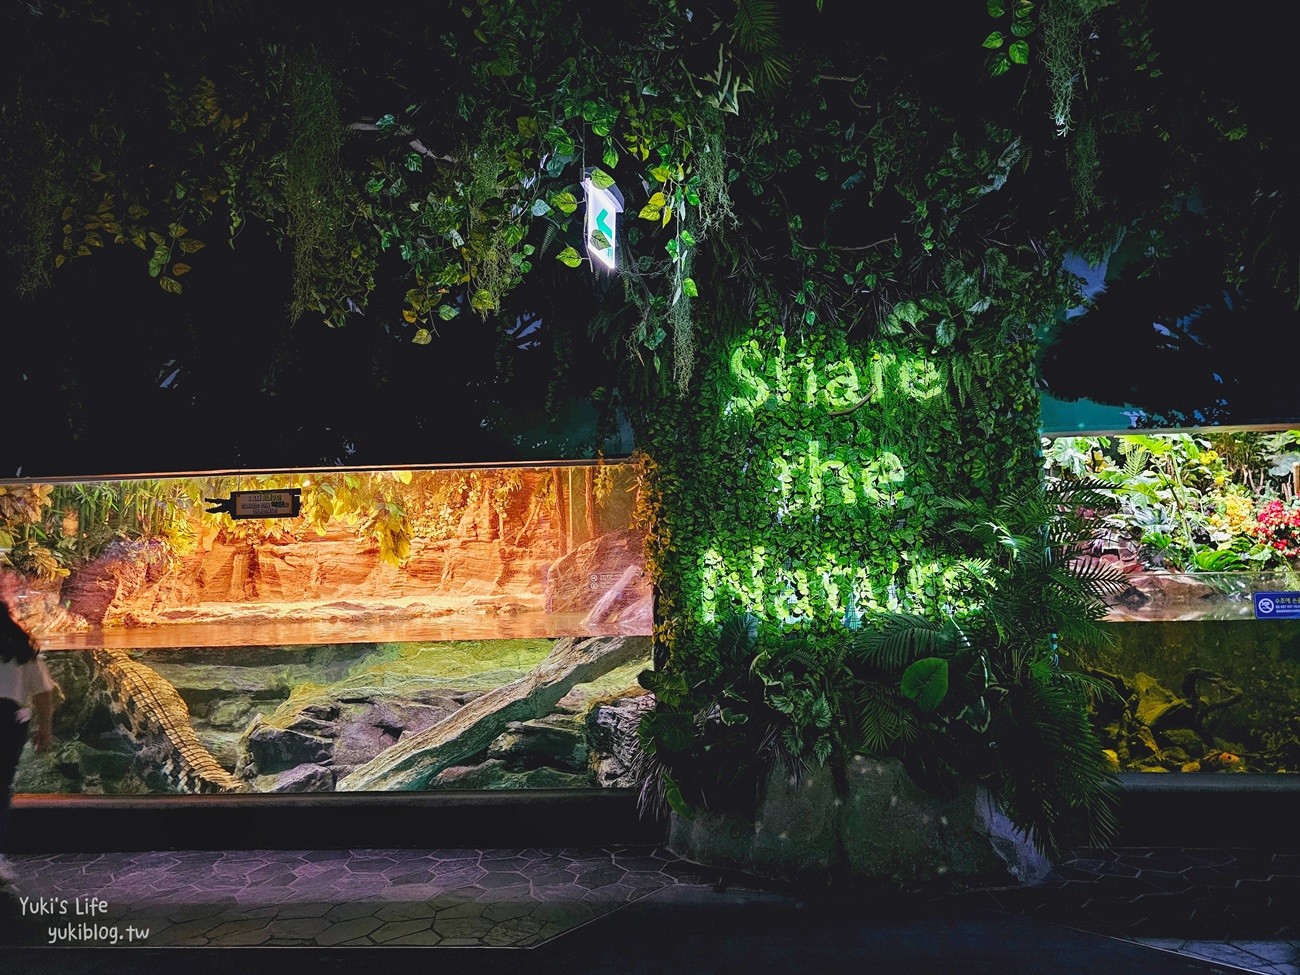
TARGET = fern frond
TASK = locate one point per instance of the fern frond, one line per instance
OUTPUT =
(756, 35)
(883, 718)
(1055, 783)
(894, 640)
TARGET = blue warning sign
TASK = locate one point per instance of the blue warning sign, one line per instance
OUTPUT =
(1277, 605)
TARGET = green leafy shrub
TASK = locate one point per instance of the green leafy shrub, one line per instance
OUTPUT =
(975, 695)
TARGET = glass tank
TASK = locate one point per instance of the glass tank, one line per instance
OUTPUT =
(449, 628)
(1201, 668)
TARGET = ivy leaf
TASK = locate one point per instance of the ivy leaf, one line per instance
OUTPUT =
(601, 178)
(1000, 65)
(654, 206)
(540, 208)
(422, 337)
(926, 683)
(661, 174)
(555, 164)
(170, 285)
(908, 312)
(157, 261)
(822, 750)
(448, 312)
(996, 8)
(689, 289)
(564, 201)
(610, 156)
(821, 713)
(1019, 52)
(560, 140)
(179, 268)
(995, 40)
(569, 256)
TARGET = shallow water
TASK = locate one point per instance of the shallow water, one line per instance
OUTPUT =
(527, 625)
(1160, 596)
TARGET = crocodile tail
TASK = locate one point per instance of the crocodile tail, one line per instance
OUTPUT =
(151, 711)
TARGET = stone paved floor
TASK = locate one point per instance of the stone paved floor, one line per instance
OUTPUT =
(1233, 906)
(1237, 910)
(496, 898)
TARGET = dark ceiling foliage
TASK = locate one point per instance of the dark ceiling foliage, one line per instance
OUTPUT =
(268, 235)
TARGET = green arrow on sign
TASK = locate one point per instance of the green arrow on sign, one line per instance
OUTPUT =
(603, 226)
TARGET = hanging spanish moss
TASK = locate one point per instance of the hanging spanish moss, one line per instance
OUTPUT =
(1065, 25)
(1084, 167)
(312, 190)
(29, 199)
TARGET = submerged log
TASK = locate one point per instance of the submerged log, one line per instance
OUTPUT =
(413, 762)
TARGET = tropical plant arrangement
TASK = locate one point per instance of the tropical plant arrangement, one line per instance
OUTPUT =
(1222, 502)
(456, 163)
(982, 693)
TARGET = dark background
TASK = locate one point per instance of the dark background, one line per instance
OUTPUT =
(107, 374)
(86, 371)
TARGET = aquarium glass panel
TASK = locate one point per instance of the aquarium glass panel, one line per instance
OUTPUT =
(456, 628)
(1203, 696)
(1202, 661)
(1200, 521)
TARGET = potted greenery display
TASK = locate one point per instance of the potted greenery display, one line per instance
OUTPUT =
(920, 748)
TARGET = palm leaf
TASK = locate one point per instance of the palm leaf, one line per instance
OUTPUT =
(756, 36)
(894, 640)
(1054, 782)
(883, 718)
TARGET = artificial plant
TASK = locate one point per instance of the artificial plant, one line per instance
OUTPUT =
(981, 694)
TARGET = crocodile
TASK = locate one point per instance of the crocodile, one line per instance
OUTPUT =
(152, 713)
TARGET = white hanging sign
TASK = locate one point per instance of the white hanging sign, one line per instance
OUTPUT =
(603, 206)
